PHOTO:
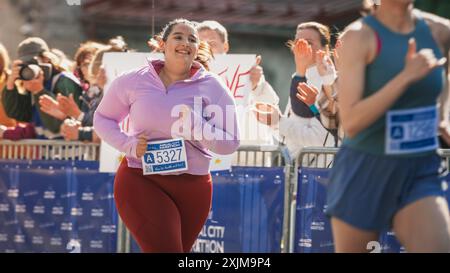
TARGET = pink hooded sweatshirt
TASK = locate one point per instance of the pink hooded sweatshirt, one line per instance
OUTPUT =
(142, 95)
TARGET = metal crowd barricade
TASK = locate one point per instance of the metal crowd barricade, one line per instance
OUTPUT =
(268, 156)
(445, 154)
(246, 156)
(49, 150)
(258, 156)
(315, 157)
(320, 157)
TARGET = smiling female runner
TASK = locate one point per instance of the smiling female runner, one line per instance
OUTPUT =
(163, 187)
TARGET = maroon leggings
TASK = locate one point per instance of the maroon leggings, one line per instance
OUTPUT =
(164, 213)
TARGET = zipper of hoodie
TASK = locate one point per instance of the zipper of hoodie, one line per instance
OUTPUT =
(170, 86)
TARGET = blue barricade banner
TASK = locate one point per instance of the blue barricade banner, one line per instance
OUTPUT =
(247, 212)
(446, 186)
(56, 206)
(60, 206)
(312, 227)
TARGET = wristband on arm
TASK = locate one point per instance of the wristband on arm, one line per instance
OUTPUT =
(314, 109)
(85, 134)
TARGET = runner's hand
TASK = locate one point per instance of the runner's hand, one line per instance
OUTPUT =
(141, 147)
(419, 64)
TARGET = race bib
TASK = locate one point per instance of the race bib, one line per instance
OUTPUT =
(166, 156)
(412, 130)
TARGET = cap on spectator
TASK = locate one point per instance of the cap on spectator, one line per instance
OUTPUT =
(31, 48)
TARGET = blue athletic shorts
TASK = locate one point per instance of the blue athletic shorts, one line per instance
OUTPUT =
(366, 190)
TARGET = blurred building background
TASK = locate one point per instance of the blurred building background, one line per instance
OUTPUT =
(439, 7)
(255, 26)
(54, 20)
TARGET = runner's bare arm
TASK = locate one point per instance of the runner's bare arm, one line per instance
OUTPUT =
(440, 28)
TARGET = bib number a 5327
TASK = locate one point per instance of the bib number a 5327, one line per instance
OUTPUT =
(166, 156)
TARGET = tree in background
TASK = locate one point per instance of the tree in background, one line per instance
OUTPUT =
(439, 7)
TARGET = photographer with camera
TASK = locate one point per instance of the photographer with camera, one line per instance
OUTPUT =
(9, 128)
(78, 121)
(4, 74)
(39, 73)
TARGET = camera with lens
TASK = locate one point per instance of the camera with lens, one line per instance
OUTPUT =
(30, 70)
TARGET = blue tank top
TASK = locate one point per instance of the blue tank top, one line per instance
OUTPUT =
(389, 62)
